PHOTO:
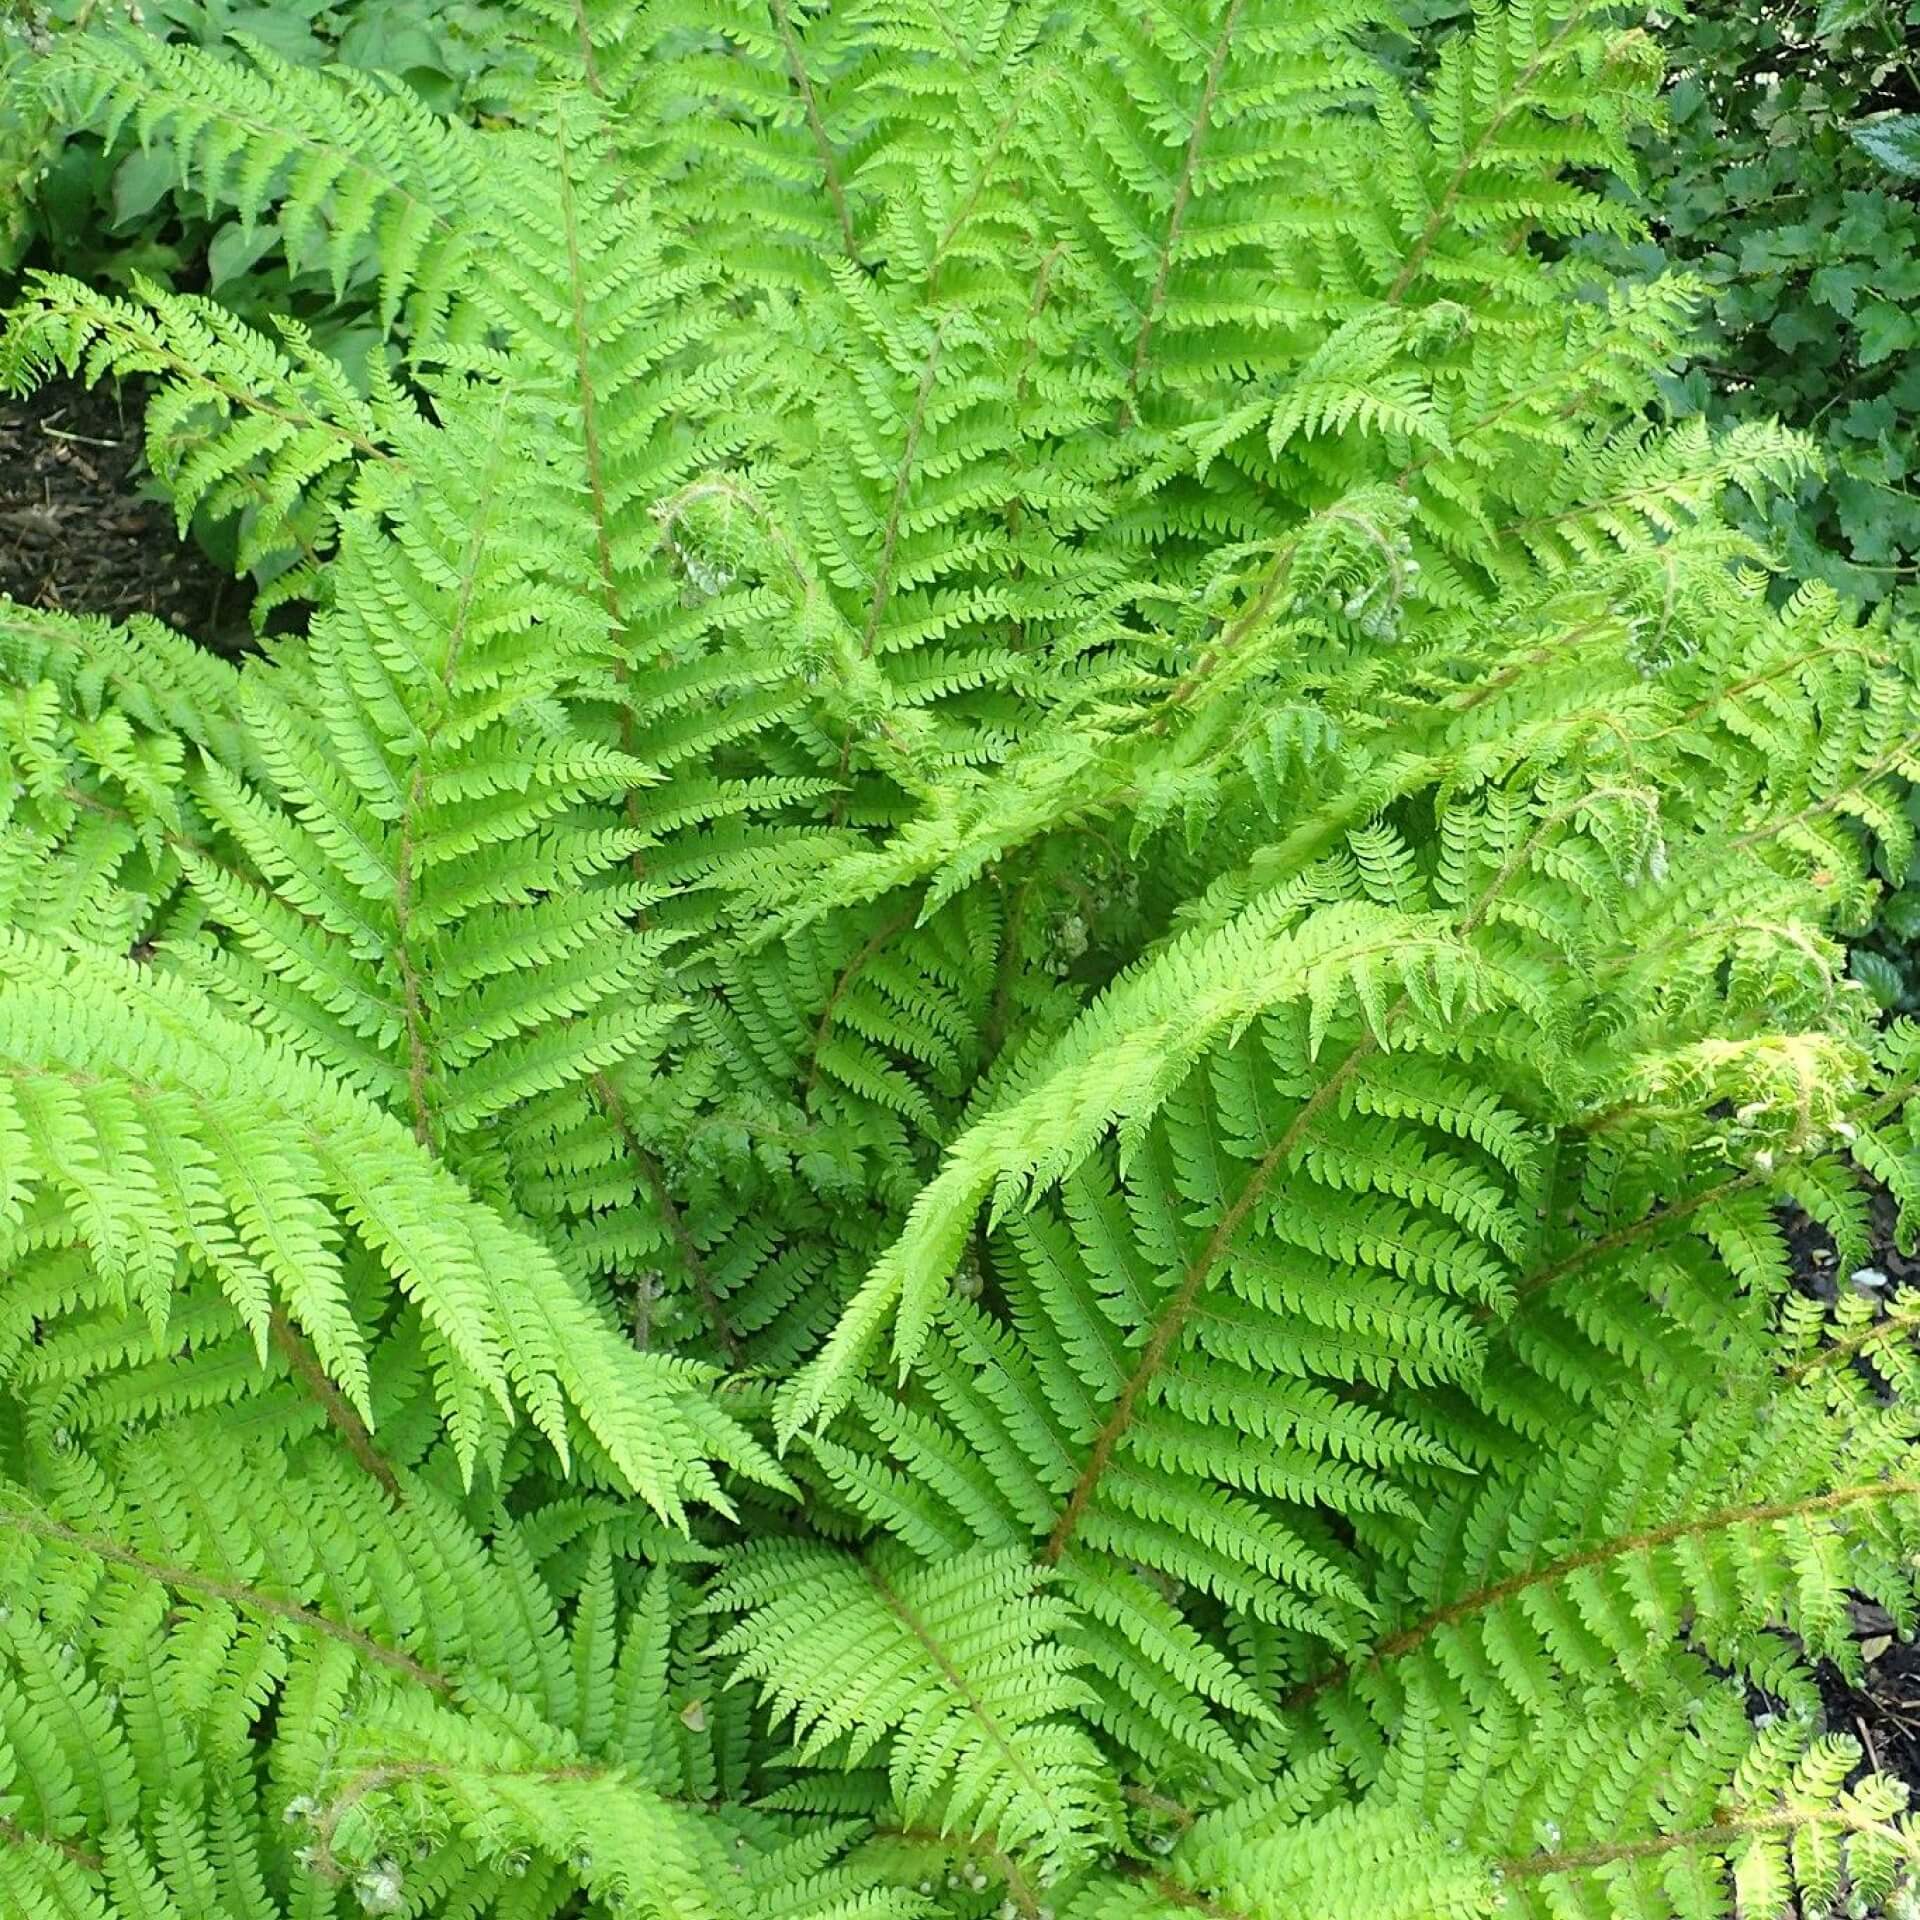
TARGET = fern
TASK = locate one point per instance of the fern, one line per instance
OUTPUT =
(362, 177)
(269, 435)
(975, 1092)
(856, 1653)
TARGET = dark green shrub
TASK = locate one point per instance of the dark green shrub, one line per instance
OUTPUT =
(110, 211)
(1787, 175)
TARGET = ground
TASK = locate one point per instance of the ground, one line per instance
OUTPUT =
(78, 531)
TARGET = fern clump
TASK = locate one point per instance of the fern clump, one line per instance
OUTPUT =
(971, 1096)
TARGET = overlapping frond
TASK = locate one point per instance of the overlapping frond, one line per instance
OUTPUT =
(167, 1142)
(953, 1667)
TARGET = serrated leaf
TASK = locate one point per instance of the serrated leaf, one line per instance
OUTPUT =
(1894, 141)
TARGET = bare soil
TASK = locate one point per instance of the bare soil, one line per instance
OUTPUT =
(79, 531)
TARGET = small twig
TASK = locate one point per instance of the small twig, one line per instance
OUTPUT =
(15, 1835)
(341, 1414)
(85, 439)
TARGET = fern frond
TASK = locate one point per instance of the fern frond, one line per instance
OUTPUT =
(240, 427)
(978, 1725)
(364, 180)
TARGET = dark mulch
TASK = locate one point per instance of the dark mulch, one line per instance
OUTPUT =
(1816, 1271)
(1882, 1714)
(77, 532)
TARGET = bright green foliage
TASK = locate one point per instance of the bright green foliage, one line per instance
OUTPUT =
(971, 1097)
(1786, 174)
(954, 1665)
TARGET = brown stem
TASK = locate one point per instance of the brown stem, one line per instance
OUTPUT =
(902, 479)
(591, 449)
(1174, 1318)
(1171, 1891)
(1902, 752)
(411, 990)
(177, 368)
(341, 1413)
(1900, 1325)
(589, 64)
(1177, 214)
(671, 1217)
(1249, 617)
(1537, 1866)
(958, 1681)
(848, 974)
(829, 164)
(964, 212)
(1231, 635)
(589, 404)
(1723, 1834)
(1496, 683)
(248, 1599)
(1512, 404)
(1618, 1548)
(411, 984)
(1450, 195)
(1776, 670)
(993, 1036)
(1592, 1250)
(889, 540)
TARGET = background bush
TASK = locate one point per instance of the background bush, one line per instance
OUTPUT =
(1788, 178)
(1785, 176)
(107, 211)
